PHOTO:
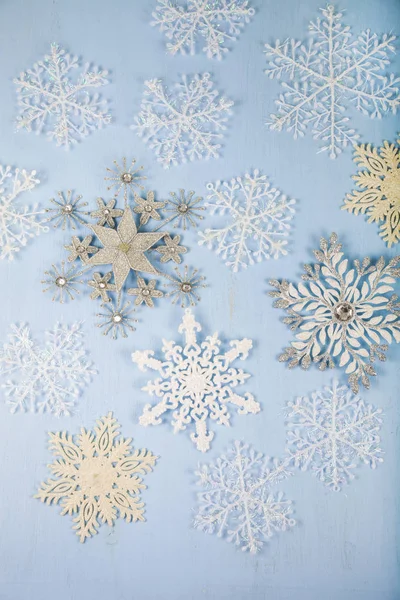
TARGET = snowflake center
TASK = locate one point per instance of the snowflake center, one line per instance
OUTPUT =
(148, 208)
(183, 208)
(117, 317)
(145, 292)
(61, 281)
(96, 476)
(390, 186)
(126, 178)
(186, 288)
(106, 211)
(68, 208)
(102, 285)
(80, 249)
(344, 312)
(196, 380)
(124, 247)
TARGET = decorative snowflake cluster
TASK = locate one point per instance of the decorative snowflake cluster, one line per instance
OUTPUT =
(196, 382)
(344, 315)
(186, 123)
(17, 223)
(98, 477)
(53, 101)
(259, 220)
(327, 76)
(378, 193)
(237, 501)
(50, 377)
(217, 22)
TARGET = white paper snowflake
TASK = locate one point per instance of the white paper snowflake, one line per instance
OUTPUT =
(196, 382)
(185, 123)
(217, 22)
(53, 101)
(17, 223)
(237, 501)
(328, 75)
(51, 377)
(258, 220)
(332, 433)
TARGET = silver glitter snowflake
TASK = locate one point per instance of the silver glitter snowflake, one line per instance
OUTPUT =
(237, 501)
(17, 223)
(53, 101)
(185, 210)
(186, 123)
(125, 178)
(344, 314)
(255, 220)
(332, 433)
(63, 282)
(51, 377)
(196, 382)
(327, 76)
(116, 320)
(68, 210)
(217, 22)
(184, 287)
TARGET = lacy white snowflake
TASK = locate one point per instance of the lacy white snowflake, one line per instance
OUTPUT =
(196, 382)
(345, 315)
(259, 220)
(51, 377)
(51, 100)
(186, 123)
(237, 501)
(333, 432)
(329, 74)
(17, 223)
(216, 22)
(98, 477)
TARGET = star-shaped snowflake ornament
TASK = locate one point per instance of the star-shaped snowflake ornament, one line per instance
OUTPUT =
(196, 382)
(328, 76)
(98, 477)
(344, 315)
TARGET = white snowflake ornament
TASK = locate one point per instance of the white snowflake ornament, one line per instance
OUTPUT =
(196, 382)
(256, 221)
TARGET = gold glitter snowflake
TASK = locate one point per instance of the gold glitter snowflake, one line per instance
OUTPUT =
(98, 478)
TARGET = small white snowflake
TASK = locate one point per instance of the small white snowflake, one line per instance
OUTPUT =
(185, 123)
(332, 432)
(51, 101)
(328, 75)
(216, 22)
(51, 377)
(196, 382)
(259, 220)
(17, 223)
(237, 501)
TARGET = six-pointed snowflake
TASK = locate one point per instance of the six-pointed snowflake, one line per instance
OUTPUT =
(51, 100)
(332, 432)
(51, 377)
(378, 195)
(328, 75)
(98, 477)
(17, 223)
(344, 315)
(216, 22)
(237, 501)
(259, 220)
(197, 382)
(185, 123)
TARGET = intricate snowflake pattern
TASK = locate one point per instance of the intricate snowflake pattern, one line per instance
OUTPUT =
(98, 477)
(196, 382)
(332, 432)
(216, 22)
(259, 220)
(344, 315)
(17, 223)
(51, 377)
(186, 123)
(51, 101)
(328, 75)
(237, 501)
(378, 195)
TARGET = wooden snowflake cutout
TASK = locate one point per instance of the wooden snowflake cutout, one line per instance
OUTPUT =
(98, 477)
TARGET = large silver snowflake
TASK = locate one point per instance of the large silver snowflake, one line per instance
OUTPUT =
(50, 377)
(17, 223)
(196, 382)
(217, 22)
(328, 75)
(258, 220)
(344, 315)
(53, 101)
(186, 123)
(237, 501)
(332, 432)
